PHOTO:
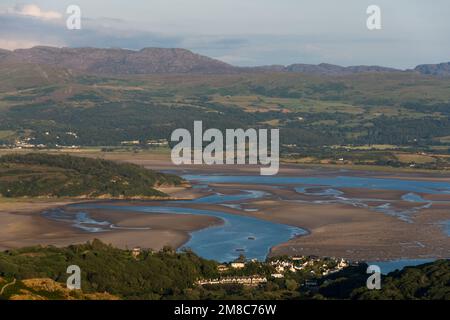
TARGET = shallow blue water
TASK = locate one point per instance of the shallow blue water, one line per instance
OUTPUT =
(412, 197)
(326, 192)
(389, 266)
(328, 187)
(81, 220)
(221, 198)
(431, 187)
(238, 235)
(254, 237)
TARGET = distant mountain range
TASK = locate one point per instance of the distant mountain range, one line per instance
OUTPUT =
(118, 61)
(325, 69)
(173, 61)
(441, 69)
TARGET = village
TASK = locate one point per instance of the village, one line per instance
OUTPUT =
(243, 272)
(31, 143)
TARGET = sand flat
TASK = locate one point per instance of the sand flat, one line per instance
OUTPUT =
(335, 229)
(21, 224)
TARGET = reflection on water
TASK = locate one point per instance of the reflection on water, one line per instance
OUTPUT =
(430, 187)
(319, 191)
(254, 237)
(219, 198)
(327, 187)
(237, 235)
(412, 197)
(81, 220)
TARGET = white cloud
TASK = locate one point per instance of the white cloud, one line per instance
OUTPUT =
(245, 33)
(34, 11)
(235, 59)
(10, 44)
(16, 44)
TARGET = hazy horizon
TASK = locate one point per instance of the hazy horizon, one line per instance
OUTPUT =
(242, 66)
(242, 33)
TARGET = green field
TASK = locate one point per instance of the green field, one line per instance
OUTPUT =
(313, 113)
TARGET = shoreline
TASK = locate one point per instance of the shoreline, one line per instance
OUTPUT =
(161, 159)
(333, 229)
(174, 230)
(22, 225)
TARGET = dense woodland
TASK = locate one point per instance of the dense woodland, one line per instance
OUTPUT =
(311, 111)
(171, 275)
(43, 175)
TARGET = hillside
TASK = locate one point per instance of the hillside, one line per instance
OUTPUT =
(427, 282)
(441, 69)
(40, 272)
(107, 269)
(118, 61)
(22, 76)
(58, 98)
(42, 175)
(46, 289)
(400, 109)
(326, 69)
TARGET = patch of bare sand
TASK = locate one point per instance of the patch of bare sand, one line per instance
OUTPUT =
(154, 221)
(354, 233)
(343, 230)
(284, 192)
(435, 215)
(20, 221)
(183, 193)
(436, 197)
(360, 193)
(21, 225)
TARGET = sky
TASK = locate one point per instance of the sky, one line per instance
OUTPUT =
(242, 32)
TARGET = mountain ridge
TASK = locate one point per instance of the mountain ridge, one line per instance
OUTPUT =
(117, 61)
(439, 69)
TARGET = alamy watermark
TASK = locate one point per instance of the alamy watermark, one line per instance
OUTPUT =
(240, 146)
(74, 280)
(374, 20)
(374, 281)
(73, 21)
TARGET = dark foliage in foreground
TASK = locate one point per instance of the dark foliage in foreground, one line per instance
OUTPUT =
(171, 275)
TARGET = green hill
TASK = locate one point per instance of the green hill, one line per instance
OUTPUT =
(40, 272)
(426, 282)
(42, 175)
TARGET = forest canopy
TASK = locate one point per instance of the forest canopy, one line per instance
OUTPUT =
(43, 175)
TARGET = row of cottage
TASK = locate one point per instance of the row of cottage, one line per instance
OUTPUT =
(294, 264)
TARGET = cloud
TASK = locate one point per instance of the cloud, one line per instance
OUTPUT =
(266, 32)
(10, 44)
(19, 31)
(236, 59)
(32, 10)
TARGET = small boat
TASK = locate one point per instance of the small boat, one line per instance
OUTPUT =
(251, 238)
(240, 250)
